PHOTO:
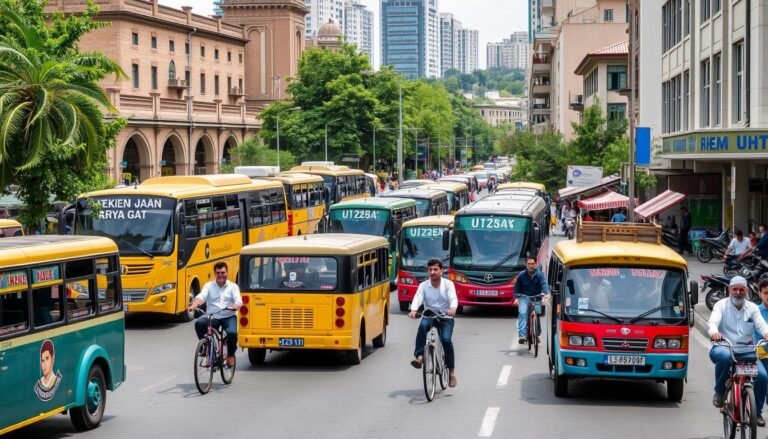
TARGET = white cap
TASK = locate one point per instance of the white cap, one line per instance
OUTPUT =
(738, 280)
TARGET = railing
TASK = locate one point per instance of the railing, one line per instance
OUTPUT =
(236, 92)
(576, 100)
(177, 83)
(628, 232)
(541, 59)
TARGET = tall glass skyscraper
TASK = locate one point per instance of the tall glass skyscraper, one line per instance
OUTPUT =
(410, 37)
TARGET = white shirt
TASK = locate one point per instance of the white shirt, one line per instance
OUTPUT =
(437, 300)
(737, 325)
(218, 298)
(739, 247)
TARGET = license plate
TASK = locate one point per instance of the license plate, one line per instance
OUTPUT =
(486, 293)
(291, 342)
(126, 298)
(625, 360)
(749, 370)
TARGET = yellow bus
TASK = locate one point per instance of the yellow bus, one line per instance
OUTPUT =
(62, 330)
(540, 189)
(323, 291)
(172, 230)
(341, 182)
(9, 227)
(458, 194)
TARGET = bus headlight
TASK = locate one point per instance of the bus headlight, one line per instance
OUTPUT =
(164, 288)
(456, 277)
(575, 340)
(589, 341)
(667, 343)
(406, 280)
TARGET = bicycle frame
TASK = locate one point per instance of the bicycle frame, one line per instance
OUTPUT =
(434, 358)
(738, 385)
(217, 337)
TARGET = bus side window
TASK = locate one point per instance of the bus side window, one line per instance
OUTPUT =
(79, 290)
(190, 219)
(233, 213)
(107, 271)
(14, 313)
(256, 207)
(46, 305)
(219, 215)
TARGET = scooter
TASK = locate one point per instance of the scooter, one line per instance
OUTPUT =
(570, 228)
(713, 247)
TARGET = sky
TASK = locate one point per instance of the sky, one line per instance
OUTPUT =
(494, 19)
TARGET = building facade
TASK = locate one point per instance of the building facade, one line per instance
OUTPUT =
(320, 12)
(514, 114)
(468, 47)
(540, 17)
(358, 27)
(196, 84)
(511, 53)
(714, 109)
(410, 37)
(604, 74)
(450, 35)
(579, 27)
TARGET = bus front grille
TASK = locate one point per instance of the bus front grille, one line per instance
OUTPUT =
(291, 318)
(137, 269)
(134, 295)
(490, 279)
(625, 344)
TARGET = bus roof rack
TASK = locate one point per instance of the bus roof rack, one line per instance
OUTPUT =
(257, 171)
(594, 231)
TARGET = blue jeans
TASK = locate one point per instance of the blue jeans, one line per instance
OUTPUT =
(523, 308)
(229, 324)
(445, 329)
(721, 356)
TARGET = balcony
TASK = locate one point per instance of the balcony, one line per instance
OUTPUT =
(541, 109)
(178, 83)
(576, 102)
(541, 64)
(236, 92)
(542, 88)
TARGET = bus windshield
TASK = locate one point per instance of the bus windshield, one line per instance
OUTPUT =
(292, 273)
(420, 244)
(490, 242)
(423, 206)
(625, 295)
(139, 224)
(360, 220)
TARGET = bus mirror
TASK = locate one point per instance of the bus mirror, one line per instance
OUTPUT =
(556, 287)
(571, 288)
(446, 239)
(536, 235)
(694, 288)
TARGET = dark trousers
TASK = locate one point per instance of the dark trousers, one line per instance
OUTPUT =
(683, 240)
(229, 324)
(445, 329)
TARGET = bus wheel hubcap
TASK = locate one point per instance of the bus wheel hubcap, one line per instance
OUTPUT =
(94, 396)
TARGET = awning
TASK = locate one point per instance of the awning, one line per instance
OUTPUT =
(574, 191)
(608, 200)
(659, 203)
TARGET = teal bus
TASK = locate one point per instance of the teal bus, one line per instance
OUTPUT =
(62, 328)
(375, 216)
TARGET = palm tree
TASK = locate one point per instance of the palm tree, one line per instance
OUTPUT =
(48, 100)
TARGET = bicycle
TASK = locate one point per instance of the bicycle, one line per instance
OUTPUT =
(534, 323)
(434, 358)
(739, 408)
(209, 357)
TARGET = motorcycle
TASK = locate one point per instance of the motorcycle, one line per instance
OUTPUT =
(735, 267)
(713, 247)
(670, 239)
(570, 228)
(716, 286)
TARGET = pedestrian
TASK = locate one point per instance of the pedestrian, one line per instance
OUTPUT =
(619, 217)
(588, 217)
(685, 227)
(752, 239)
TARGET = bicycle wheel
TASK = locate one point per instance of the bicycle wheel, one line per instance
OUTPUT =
(442, 369)
(748, 413)
(428, 370)
(227, 373)
(729, 423)
(535, 336)
(530, 334)
(203, 369)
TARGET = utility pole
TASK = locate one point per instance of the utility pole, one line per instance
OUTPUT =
(400, 138)
(632, 90)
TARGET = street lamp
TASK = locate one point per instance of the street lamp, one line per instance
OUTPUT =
(278, 134)
(326, 136)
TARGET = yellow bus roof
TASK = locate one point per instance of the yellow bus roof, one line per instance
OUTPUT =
(324, 170)
(316, 244)
(9, 223)
(572, 253)
(447, 186)
(522, 185)
(434, 220)
(33, 249)
(297, 178)
(189, 186)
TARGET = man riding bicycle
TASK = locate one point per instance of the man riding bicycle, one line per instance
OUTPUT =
(221, 297)
(530, 283)
(438, 295)
(736, 319)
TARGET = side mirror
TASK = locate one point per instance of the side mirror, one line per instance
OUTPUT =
(556, 287)
(536, 236)
(446, 239)
(694, 288)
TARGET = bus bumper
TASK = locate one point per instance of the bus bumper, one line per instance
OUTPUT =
(323, 342)
(476, 295)
(406, 292)
(158, 303)
(595, 365)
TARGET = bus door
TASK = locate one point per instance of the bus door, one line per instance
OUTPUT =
(17, 365)
(243, 206)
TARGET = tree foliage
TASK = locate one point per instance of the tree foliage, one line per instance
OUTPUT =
(53, 136)
(252, 152)
(507, 81)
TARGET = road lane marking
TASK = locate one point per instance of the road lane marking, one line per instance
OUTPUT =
(489, 422)
(152, 386)
(504, 376)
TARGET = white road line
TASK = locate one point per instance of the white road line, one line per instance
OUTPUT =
(504, 376)
(489, 422)
(152, 386)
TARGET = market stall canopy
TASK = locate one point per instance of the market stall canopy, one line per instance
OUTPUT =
(659, 203)
(608, 200)
(607, 182)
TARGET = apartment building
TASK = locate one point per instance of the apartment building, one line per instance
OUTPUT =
(410, 37)
(604, 74)
(450, 38)
(510, 53)
(196, 84)
(321, 12)
(358, 27)
(468, 48)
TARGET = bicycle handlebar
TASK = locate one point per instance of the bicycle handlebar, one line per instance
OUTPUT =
(433, 316)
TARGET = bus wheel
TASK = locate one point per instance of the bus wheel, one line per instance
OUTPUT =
(355, 356)
(675, 389)
(460, 309)
(88, 416)
(185, 315)
(561, 384)
(381, 340)
(404, 306)
(257, 356)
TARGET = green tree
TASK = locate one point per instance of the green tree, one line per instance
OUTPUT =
(539, 158)
(594, 137)
(252, 152)
(52, 126)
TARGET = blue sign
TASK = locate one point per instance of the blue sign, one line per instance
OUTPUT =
(643, 146)
(421, 152)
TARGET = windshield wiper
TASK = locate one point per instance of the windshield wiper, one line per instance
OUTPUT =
(602, 314)
(498, 264)
(649, 312)
(151, 256)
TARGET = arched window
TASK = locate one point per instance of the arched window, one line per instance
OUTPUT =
(172, 71)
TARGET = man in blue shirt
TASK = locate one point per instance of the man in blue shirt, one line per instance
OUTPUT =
(530, 283)
(619, 217)
(761, 249)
